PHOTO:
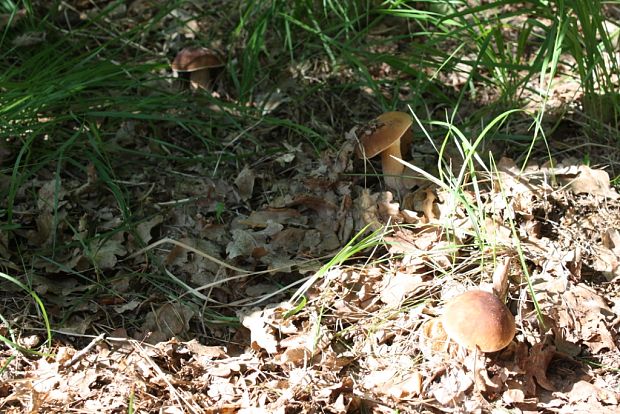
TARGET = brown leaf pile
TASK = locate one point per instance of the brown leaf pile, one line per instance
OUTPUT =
(366, 339)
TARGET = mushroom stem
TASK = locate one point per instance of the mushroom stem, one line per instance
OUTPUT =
(392, 169)
(199, 79)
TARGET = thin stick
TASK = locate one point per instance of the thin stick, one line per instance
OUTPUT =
(81, 353)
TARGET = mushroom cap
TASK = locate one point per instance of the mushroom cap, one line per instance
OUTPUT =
(192, 59)
(478, 318)
(384, 131)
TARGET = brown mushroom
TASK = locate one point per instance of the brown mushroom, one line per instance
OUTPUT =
(478, 319)
(383, 136)
(196, 61)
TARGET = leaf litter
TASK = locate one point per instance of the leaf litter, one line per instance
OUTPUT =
(367, 337)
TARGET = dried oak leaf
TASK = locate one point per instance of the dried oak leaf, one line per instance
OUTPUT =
(144, 228)
(536, 366)
(585, 180)
(51, 196)
(242, 244)
(365, 211)
(587, 318)
(169, 320)
(452, 386)
(606, 258)
(245, 183)
(106, 252)
(261, 218)
(397, 287)
(398, 385)
(266, 326)
(583, 391)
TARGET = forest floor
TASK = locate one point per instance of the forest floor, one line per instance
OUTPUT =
(278, 274)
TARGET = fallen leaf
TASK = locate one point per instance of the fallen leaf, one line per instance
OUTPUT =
(169, 320)
(428, 205)
(144, 229)
(365, 210)
(433, 341)
(513, 396)
(451, 387)
(261, 218)
(583, 391)
(105, 254)
(242, 245)
(585, 319)
(29, 39)
(536, 366)
(397, 287)
(51, 196)
(245, 183)
(261, 333)
(587, 181)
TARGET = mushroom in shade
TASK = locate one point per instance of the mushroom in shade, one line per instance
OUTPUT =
(196, 61)
(384, 136)
(478, 319)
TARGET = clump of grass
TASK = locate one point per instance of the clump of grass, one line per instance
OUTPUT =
(594, 48)
(516, 53)
(8, 322)
(511, 47)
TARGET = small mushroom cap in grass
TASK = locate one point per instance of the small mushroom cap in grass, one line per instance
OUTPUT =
(384, 137)
(479, 319)
(192, 59)
(197, 61)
